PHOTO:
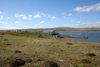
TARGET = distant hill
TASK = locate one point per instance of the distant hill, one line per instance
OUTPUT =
(62, 29)
(72, 29)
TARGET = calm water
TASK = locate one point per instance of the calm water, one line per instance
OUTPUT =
(93, 36)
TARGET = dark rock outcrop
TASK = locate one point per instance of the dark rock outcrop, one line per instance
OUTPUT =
(91, 54)
(50, 64)
(17, 51)
(17, 62)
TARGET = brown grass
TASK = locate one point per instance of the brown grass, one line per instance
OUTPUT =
(50, 49)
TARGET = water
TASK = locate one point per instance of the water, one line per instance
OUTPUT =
(93, 36)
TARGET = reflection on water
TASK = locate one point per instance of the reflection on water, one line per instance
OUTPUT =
(93, 36)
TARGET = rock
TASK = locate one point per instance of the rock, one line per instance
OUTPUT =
(69, 43)
(8, 44)
(91, 54)
(17, 51)
(50, 64)
(17, 62)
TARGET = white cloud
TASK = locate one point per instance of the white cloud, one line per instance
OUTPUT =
(19, 15)
(37, 25)
(43, 15)
(8, 18)
(16, 22)
(50, 16)
(66, 14)
(41, 22)
(30, 19)
(30, 15)
(95, 7)
(53, 17)
(50, 25)
(37, 16)
(6, 23)
(16, 15)
(1, 17)
(9, 27)
(78, 22)
(24, 17)
(70, 14)
(3, 22)
(89, 23)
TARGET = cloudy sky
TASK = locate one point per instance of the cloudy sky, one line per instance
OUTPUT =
(21, 14)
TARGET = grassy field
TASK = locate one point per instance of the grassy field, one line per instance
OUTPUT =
(36, 49)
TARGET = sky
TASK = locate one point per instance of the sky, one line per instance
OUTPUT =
(24, 14)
